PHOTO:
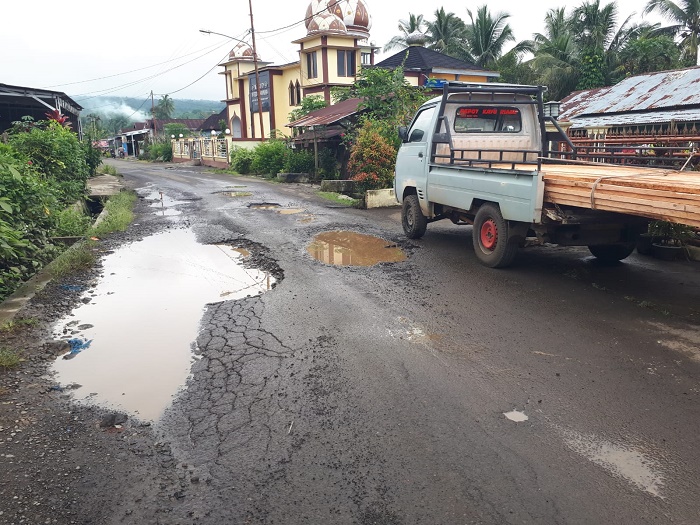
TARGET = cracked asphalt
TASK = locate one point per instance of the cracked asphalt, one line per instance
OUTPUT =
(377, 395)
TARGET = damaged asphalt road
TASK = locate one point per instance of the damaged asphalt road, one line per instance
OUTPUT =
(372, 395)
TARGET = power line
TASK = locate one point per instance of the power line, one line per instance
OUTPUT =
(132, 71)
(116, 88)
(195, 81)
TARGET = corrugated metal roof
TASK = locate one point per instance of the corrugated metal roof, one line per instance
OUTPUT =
(328, 115)
(653, 91)
(631, 119)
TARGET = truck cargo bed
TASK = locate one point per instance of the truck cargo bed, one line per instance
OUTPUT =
(646, 192)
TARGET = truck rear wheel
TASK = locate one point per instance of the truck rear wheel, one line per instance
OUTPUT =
(612, 252)
(491, 238)
(412, 219)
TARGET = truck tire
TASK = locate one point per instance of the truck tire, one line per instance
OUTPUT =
(412, 219)
(491, 238)
(610, 253)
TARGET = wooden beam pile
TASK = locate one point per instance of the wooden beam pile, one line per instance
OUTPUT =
(646, 192)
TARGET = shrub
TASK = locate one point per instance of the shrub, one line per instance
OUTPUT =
(242, 160)
(71, 222)
(270, 157)
(56, 153)
(158, 151)
(299, 162)
(372, 159)
(327, 164)
(93, 157)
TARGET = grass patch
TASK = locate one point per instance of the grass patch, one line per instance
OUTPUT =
(106, 169)
(119, 214)
(79, 257)
(224, 171)
(336, 197)
(9, 358)
(17, 324)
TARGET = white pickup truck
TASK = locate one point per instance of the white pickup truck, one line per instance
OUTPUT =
(480, 155)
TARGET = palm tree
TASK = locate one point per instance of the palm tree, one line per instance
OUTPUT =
(685, 16)
(413, 24)
(556, 55)
(486, 36)
(165, 107)
(447, 34)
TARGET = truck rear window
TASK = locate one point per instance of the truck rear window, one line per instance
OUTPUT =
(487, 119)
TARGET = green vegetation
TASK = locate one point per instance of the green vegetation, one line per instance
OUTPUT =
(242, 160)
(108, 170)
(80, 256)
(118, 214)
(338, 198)
(43, 169)
(161, 151)
(18, 324)
(71, 222)
(588, 45)
(9, 358)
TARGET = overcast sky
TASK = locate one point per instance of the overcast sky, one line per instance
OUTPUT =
(64, 45)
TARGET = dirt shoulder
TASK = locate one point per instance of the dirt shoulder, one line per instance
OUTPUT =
(61, 462)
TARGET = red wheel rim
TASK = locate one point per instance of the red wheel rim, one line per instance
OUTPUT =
(489, 234)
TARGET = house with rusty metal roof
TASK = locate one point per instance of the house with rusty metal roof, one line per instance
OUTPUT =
(661, 103)
(19, 101)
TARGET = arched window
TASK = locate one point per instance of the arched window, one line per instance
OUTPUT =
(236, 131)
(298, 90)
(292, 94)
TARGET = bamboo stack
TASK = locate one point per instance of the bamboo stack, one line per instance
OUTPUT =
(646, 192)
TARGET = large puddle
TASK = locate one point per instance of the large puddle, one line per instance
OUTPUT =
(345, 248)
(140, 322)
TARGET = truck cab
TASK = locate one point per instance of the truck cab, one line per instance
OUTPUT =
(474, 156)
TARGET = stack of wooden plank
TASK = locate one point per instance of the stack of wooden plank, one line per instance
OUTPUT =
(646, 192)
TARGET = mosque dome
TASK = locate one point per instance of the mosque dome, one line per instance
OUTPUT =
(326, 23)
(417, 39)
(352, 13)
(241, 52)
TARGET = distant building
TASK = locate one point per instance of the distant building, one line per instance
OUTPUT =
(665, 102)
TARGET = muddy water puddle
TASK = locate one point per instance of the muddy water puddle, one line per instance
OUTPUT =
(345, 248)
(139, 326)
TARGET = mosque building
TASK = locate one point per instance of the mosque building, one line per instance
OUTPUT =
(335, 47)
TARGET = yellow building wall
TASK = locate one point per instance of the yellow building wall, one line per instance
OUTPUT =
(280, 86)
(333, 77)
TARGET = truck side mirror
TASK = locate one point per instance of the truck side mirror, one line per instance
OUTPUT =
(403, 133)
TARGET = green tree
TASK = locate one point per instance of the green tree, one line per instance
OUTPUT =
(387, 99)
(556, 56)
(648, 53)
(447, 34)
(165, 108)
(372, 159)
(685, 18)
(176, 128)
(486, 35)
(406, 27)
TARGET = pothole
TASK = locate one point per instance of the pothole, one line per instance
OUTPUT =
(134, 337)
(264, 205)
(290, 211)
(236, 193)
(345, 248)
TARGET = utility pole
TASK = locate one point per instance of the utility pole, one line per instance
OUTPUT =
(153, 116)
(257, 76)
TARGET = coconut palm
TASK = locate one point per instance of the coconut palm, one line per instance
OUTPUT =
(685, 17)
(447, 34)
(486, 35)
(413, 24)
(556, 55)
(165, 107)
